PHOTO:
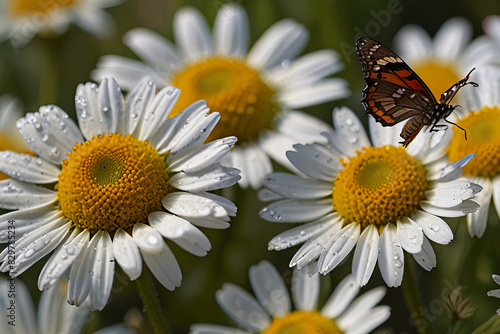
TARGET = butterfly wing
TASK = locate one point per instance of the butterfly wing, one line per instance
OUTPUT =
(393, 91)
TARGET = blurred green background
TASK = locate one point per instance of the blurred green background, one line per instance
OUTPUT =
(47, 70)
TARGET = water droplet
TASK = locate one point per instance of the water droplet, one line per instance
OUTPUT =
(152, 240)
(349, 121)
(91, 272)
(105, 109)
(29, 253)
(302, 232)
(64, 256)
(272, 212)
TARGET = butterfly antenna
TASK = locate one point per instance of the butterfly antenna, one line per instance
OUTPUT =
(458, 126)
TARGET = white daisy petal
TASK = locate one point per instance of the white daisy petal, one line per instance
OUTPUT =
(370, 321)
(365, 255)
(275, 145)
(360, 307)
(282, 41)
(270, 289)
(25, 168)
(30, 254)
(451, 171)
(214, 329)
(292, 122)
(242, 308)
(24, 308)
(192, 34)
(449, 194)
(156, 51)
(341, 244)
(182, 204)
(181, 232)
(452, 37)
(317, 93)
(410, 235)
(293, 211)
(147, 239)
(381, 135)
(207, 155)
(231, 31)
(127, 254)
(391, 257)
(96, 22)
(434, 227)
(496, 192)
(312, 249)
(477, 221)
(157, 112)
(164, 266)
(315, 160)
(103, 271)
(305, 289)
(62, 258)
(294, 186)
(467, 206)
(413, 43)
(172, 129)
(87, 109)
(128, 72)
(19, 195)
(302, 233)
(496, 278)
(80, 276)
(306, 69)
(341, 297)
(426, 258)
(137, 102)
(211, 178)
(266, 195)
(111, 108)
(43, 133)
(229, 206)
(26, 220)
(253, 163)
(350, 134)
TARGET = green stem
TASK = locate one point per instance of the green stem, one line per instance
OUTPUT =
(413, 297)
(149, 297)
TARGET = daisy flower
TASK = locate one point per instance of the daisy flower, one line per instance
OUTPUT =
(271, 311)
(444, 60)
(10, 139)
(113, 188)
(495, 293)
(20, 20)
(480, 116)
(55, 315)
(491, 26)
(381, 199)
(257, 91)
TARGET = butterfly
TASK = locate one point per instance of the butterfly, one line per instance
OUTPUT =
(394, 92)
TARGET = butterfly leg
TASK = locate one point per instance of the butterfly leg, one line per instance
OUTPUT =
(458, 126)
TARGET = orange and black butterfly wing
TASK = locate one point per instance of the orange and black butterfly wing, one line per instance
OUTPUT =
(393, 91)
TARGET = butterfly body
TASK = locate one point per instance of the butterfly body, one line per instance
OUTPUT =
(394, 92)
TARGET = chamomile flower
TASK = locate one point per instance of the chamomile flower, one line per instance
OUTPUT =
(379, 199)
(20, 20)
(444, 60)
(495, 293)
(271, 311)
(111, 189)
(54, 315)
(480, 117)
(10, 139)
(256, 91)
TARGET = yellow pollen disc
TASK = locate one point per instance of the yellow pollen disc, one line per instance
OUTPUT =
(8, 142)
(437, 76)
(378, 186)
(246, 103)
(27, 7)
(483, 139)
(302, 322)
(112, 181)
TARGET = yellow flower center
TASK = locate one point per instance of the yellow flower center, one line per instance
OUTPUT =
(27, 7)
(112, 181)
(11, 143)
(378, 186)
(437, 76)
(483, 139)
(302, 322)
(246, 103)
